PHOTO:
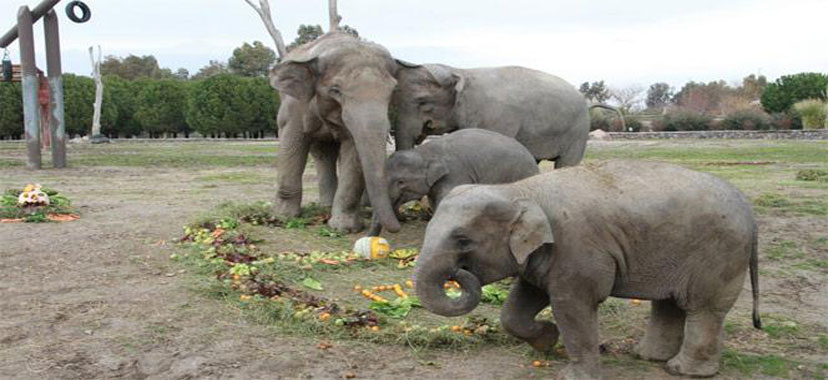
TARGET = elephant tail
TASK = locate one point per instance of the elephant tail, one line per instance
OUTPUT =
(613, 109)
(754, 276)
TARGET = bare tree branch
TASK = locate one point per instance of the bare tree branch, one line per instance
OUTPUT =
(96, 74)
(264, 12)
(334, 16)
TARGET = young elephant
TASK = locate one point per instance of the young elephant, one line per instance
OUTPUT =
(576, 236)
(463, 157)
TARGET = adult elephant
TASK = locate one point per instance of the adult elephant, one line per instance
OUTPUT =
(541, 111)
(335, 95)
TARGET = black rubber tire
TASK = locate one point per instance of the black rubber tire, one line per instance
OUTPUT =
(70, 12)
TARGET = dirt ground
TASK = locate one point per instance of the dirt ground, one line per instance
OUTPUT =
(98, 298)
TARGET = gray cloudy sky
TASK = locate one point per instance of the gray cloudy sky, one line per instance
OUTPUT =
(622, 42)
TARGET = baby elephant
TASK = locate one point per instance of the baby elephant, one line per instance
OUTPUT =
(578, 235)
(463, 157)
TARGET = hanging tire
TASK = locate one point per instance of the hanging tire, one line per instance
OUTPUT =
(86, 13)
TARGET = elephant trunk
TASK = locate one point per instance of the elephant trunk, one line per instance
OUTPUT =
(407, 134)
(376, 226)
(430, 279)
(368, 124)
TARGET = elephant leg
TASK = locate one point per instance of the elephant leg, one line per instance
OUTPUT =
(325, 155)
(293, 155)
(518, 316)
(702, 346)
(578, 324)
(664, 334)
(572, 156)
(345, 211)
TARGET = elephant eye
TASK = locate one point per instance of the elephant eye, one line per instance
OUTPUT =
(334, 91)
(463, 242)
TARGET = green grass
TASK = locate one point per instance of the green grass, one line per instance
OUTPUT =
(749, 364)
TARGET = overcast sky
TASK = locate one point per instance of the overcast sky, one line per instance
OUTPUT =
(630, 42)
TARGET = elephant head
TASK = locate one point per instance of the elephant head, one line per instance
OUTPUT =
(410, 177)
(425, 98)
(478, 235)
(347, 83)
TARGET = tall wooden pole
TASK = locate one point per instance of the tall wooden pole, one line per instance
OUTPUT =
(57, 127)
(334, 16)
(28, 71)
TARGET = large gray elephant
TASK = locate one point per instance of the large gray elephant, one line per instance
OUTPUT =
(576, 236)
(541, 111)
(462, 157)
(335, 95)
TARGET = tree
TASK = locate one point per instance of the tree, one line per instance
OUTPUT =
(79, 98)
(11, 111)
(182, 74)
(597, 92)
(133, 67)
(753, 86)
(628, 98)
(214, 68)
(780, 95)
(305, 34)
(251, 60)
(161, 106)
(96, 75)
(122, 99)
(229, 104)
(659, 95)
(703, 98)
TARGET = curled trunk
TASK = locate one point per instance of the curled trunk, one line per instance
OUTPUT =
(429, 286)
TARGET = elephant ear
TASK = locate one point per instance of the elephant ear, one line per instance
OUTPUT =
(530, 230)
(436, 170)
(296, 78)
(446, 77)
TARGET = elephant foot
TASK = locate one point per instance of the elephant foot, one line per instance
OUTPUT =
(547, 340)
(657, 352)
(578, 372)
(681, 365)
(346, 223)
(287, 209)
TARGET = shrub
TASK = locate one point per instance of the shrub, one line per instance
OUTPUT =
(789, 89)
(785, 121)
(161, 105)
(228, 104)
(79, 99)
(122, 94)
(683, 121)
(812, 112)
(11, 110)
(746, 120)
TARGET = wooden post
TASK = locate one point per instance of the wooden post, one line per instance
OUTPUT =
(57, 127)
(31, 108)
(36, 14)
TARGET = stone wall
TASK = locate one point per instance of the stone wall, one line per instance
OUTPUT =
(813, 134)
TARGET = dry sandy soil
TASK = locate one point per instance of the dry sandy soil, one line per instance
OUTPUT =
(98, 298)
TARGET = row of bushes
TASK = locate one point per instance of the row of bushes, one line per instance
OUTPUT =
(682, 120)
(224, 104)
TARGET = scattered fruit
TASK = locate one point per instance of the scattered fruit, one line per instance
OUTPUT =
(455, 328)
(636, 301)
(245, 297)
(375, 328)
(324, 316)
(409, 283)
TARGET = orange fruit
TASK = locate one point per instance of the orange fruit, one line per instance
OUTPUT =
(455, 328)
(375, 328)
(536, 363)
(324, 316)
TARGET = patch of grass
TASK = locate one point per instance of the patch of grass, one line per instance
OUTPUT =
(748, 364)
(234, 177)
(781, 329)
(786, 250)
(772, 200)
(812, 175)
(823, 342)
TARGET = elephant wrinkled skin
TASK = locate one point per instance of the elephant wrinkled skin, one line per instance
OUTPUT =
(574, 237)
(335, 95)
(462, 157)
(541, 111)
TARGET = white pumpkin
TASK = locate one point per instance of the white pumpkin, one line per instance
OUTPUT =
(372, 247)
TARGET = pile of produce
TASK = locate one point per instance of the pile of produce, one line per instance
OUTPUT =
(34, 203)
